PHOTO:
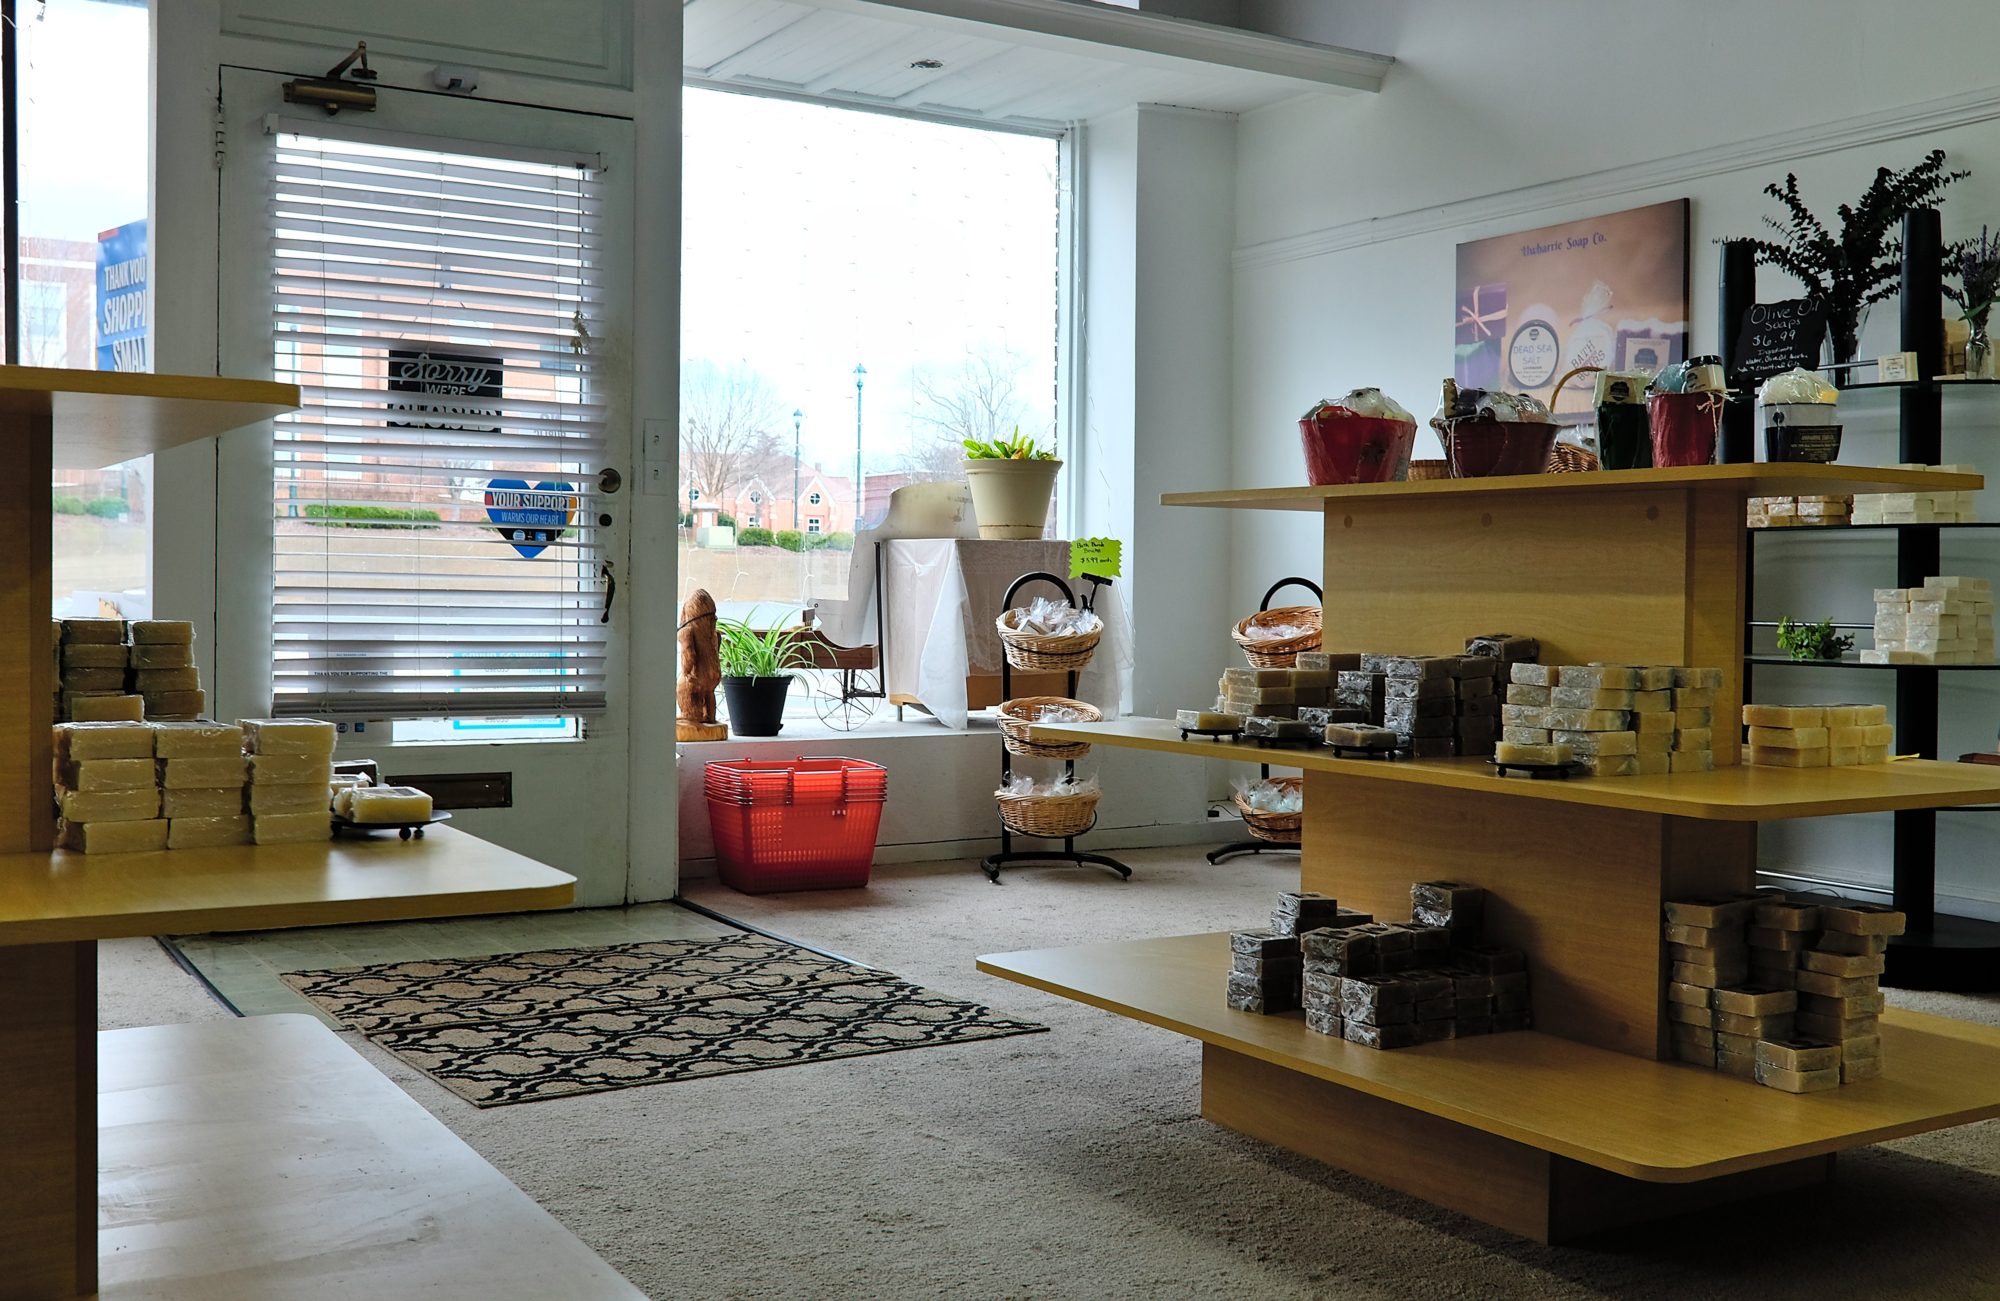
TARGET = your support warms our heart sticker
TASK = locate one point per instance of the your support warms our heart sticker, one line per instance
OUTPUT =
(530, 517)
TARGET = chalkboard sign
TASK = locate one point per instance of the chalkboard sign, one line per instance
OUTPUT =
(1774, 338)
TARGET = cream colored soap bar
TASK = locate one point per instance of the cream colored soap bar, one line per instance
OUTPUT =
(1589, 698)
(210, 772)
(1652, 702)
(108, 806)
(176, 704)
(1768, 758)
(106, 775)
(1789, 738)
(199, 802)
(1874, 754)
(305, 797)
(300, 735)
(1654, 742)
(390, 804)
(100, 632)
(290, 828)
(1588, 720)
(1610, 677)
(135, 837)
(1856, 715)
(1654, 722)
(1585, 744)
(1623, 765)
(1691, 761)
(106, 709)
(1843, 756)
(76, 741)
(297, 769)
(1694, 697)
(1526, 735)
(199, 739)
(170, 632)
(153, 658)
(1694, 718)
(1656, 764)
(208, 833)
(339, 782)
(1784, 716)
(98, 681)
(1694, 738)
(1508, 752)
(85, 655)
(151, 682)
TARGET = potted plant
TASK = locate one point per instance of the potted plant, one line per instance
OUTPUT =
(1812, 641)
(757, 673)
(1012, 483)
(1977, 263)
(1861, 264)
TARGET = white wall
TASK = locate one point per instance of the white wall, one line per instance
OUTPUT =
(1349, 213)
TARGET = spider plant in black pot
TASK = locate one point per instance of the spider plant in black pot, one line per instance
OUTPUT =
(757, 669)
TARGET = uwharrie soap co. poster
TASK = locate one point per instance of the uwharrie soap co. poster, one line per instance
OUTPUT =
(1608, 291)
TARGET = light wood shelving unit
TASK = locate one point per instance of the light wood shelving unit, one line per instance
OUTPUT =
(1580, 1124)
(167, 1097)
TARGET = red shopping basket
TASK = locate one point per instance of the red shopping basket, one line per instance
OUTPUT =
(798, 824)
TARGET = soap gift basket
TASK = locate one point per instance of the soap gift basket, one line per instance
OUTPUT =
(1274, 826)
(1055, 810)
(1049, 635)
(1018, 716)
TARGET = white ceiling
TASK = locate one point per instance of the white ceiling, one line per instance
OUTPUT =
(1038, 63)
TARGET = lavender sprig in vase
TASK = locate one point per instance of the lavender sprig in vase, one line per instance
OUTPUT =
(1978, 269)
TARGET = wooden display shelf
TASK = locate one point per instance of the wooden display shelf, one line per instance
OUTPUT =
(1471, 1116)
(1747, 479)
(48, 898)
(265, 1158)
(105, 417)
(1739, 793)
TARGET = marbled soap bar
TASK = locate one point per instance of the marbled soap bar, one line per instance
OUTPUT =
(105, 709)
(197, 740)
(1508, 752)
(108, 806)
(1609, 677)
(130, 837)
(162, 632)
(1199, 720)
(290, 828)
(161, 655)
(390, 804)
(1535, 675)
(208, 832)
(106, 774)
(282, 797)
(1360, 736)
(209, 771)
(202, 802)
(304, 735)
(1567, 697)
(1414, 666)
(298, 769)
(1790, 716)
(76, 741)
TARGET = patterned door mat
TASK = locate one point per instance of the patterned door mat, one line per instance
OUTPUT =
(524, 1027)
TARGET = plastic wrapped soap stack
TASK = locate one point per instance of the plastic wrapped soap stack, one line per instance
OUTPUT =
(107, 789)
(1437, 705)
(91, 665)
(1783, 991)
(291, 771)
(1383, 984)
(1798, 512)
(1617, 720)
(1917, 507)
(202, 776)
(1816, 736)
(1283, 704)
(163, 671)
(1949, 620)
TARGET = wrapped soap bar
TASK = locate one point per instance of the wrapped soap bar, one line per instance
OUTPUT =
(1430, 727)
(1402, 688)
(1533, 697)
(102, 632)
(163, 681)
(1797, 1081)
(1605, 744)
(207, 772)
(1691, 761)
(109, 806)
(1417, 666)
(1606, 765)
(1361, 736)
(105, 708)
(138, 836)
(290, 828)
(162, 632)
(208, 832)
(86, 655)
(1197, 720)
(106, 774)
(1588, 720)
(1861, 919)
(1531, 754)
(1534, 675)
(176, 704)
(311, 736)
(202, 802)
(283, 797)
(1789, 738)
(93, 681)
(1567, 697)
(1506, 647)
(1523, 716)
(1609, 677)
(1695, 677)
(197, 740)
(1785, 716)
(389, 804)
(1264, 944)
(1767, 757)
(1276, 729)
(77, 741)
(165, 655)
(1526, 735)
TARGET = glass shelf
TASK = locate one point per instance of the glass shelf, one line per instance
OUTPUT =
(1852, 528)
(1788, 661)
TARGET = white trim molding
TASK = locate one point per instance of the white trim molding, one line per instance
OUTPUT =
(1781, 147)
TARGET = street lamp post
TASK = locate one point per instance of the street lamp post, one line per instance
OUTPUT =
(860, 374)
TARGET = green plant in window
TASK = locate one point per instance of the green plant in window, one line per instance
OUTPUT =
(748, 652)
(1812, 641)
(1015, 448)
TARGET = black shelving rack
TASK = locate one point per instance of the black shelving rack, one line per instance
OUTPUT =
(1938, 951)
(1069, 854)
(1237, 847)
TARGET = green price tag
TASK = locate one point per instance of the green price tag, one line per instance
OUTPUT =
(1095, 556)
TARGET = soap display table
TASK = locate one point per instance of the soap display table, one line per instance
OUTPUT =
(1642, 566)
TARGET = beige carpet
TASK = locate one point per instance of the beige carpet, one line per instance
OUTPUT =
(1074, 1164)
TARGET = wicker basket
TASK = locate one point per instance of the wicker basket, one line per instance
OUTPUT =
(1034, 650)
(1277, 828)
(1421, 471)
(1017, 716)
(1568, 458)
(1282, 653)
(1054, 816)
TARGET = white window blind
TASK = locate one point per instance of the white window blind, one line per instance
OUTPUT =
(436, 540)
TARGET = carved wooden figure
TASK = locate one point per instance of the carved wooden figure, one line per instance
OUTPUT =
(701, 671)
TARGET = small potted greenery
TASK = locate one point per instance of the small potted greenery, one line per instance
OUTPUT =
(1012, 483)
(1977, 263)
(757, 673)
(1812, 641)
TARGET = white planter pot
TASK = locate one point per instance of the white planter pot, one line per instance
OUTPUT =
(1010, 499)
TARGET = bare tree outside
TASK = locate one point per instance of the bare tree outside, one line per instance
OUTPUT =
(730, 423)
(979, 399)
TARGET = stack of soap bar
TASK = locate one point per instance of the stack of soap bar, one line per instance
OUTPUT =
(291, 772)
(1476, 705)
(1420, 702)
(1816, 736)
(1839, 986)
(202, 774)
(1364, 689)
(1692, 730)
(1264, 972)
(104, 778)
(1457, 908)
(1798, 512)
(1949, 620)
(1779, 929)
(90, 671)
(1917, 507)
